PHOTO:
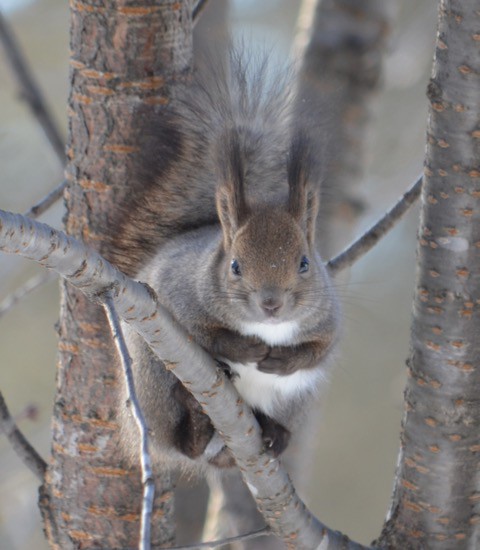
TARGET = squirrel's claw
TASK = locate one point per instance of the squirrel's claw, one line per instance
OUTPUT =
(226, 369)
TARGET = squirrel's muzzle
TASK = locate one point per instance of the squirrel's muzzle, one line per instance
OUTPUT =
(271, 301)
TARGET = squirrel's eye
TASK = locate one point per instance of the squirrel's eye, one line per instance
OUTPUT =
(304, 265)
(235, 268)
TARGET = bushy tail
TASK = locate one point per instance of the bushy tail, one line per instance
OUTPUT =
(183, 152)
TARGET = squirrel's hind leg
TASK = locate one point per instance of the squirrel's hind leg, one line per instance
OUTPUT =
(194, 430)
(275, 436)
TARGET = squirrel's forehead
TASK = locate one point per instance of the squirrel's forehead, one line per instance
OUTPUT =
(277, 237)
(271, 220)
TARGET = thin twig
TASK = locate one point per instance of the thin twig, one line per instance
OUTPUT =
(145, 461)
(218, 543)
(39, 208)
(38, 280)
(17, 295)
(370, 238)
(198, 10)
(19, 442)
(29, 89)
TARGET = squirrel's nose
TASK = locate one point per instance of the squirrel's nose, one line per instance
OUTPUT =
(272, 304)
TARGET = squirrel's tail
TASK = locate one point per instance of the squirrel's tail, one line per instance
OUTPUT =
(183, 154)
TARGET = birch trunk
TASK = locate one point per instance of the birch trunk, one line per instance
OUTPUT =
(124, 55)
(437, 491)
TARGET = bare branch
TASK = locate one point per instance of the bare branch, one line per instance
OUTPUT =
(29, 89)
(217, 543)
(39, 208)
(16, 296)
(303, 28)
(198, 10)
(145, 462)
(19, 442)
(370, 238)
(135, 303)
(39, 280)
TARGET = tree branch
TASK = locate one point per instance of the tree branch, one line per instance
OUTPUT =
(145, 461)
(378, 230)
(217, 543)
(29, 89)
(16, 296)
(43, 205)
(19, 442)
(345, 259)
(198, 10)
(136, 304)
(39, 280)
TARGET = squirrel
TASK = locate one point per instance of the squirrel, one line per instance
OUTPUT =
(220, 222)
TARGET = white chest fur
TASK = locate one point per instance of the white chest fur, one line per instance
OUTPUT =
(279, 334)
(267, 392)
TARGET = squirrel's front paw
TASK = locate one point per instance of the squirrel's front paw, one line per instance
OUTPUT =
(253, 351)
(279, 361)
(242, 349)
(194, 429)
(248, 352)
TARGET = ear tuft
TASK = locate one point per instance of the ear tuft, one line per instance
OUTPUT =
(298, 174)
(231, 202)
(303, 192)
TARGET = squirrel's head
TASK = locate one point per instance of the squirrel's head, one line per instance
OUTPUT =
(270, 268)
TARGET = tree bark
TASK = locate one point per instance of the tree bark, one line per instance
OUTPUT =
(437, 494)
(125, 56)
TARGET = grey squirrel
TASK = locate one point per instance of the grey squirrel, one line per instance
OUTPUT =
(220, 222)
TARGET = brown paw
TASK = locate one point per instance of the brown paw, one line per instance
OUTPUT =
(240, 349)
(272, 365)
(275, 436)
(283, 360)
(253, 351)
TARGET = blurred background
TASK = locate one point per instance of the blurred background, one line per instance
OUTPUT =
(357, 444)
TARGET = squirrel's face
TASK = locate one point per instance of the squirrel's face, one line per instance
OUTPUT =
(270, 272)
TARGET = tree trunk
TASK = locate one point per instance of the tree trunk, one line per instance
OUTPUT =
(437, 493)
(341, 69)
(125, 56)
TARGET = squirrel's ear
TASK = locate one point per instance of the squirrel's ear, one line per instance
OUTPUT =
(232, 206)
(311, 215)
(303, 200)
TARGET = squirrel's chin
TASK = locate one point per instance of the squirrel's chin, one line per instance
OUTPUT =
(272, 321)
